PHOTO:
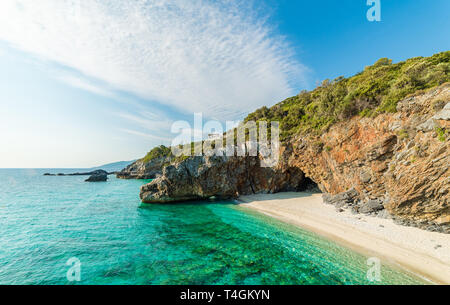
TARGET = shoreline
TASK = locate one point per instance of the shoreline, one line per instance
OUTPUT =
(424, 253)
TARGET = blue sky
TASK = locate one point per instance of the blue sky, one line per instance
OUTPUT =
(334, 38)
(82, 85)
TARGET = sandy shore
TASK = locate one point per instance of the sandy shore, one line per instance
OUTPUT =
(421, 252)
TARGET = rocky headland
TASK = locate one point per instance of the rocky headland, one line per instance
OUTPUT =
(205, 177)
(376, 143)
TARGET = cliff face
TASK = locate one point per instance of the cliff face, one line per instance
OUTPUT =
(397, 161)
(402, 159)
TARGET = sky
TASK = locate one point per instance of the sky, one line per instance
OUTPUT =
(83, 83)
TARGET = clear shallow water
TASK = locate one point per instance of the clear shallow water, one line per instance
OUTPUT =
(45, 221)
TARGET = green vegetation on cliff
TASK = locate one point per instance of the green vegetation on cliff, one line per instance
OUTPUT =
(375, 90)
(158, 152)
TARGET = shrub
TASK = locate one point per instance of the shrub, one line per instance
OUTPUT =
(441, 134)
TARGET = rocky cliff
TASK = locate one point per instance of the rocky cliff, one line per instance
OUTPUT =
(398, 161)
(376, 143)
(395, 163)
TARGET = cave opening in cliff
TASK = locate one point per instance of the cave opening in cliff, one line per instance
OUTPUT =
(308, 185)
(295, 180)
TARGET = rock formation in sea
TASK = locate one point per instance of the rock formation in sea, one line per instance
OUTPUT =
(376, 143)
(97, 177)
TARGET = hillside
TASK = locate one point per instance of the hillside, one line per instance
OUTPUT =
(376, 143)
(376, 90)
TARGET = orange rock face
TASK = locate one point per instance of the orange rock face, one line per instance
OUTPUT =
(401, 158)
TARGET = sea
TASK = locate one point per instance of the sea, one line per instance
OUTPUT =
(60, 230)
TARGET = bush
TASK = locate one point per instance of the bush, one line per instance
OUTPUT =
(441, 134)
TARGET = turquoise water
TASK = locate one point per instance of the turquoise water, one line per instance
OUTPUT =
(45, 221)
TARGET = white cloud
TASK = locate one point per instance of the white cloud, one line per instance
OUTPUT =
(147, 120)
(83, 84)
(196, 55)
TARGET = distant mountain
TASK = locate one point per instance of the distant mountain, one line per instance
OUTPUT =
(114, 167)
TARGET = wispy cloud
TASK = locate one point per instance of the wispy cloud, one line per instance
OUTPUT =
(82, 83)
(147, 120)
(216, 57)
(144, 135)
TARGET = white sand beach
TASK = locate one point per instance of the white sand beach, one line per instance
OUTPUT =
(424, 253)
